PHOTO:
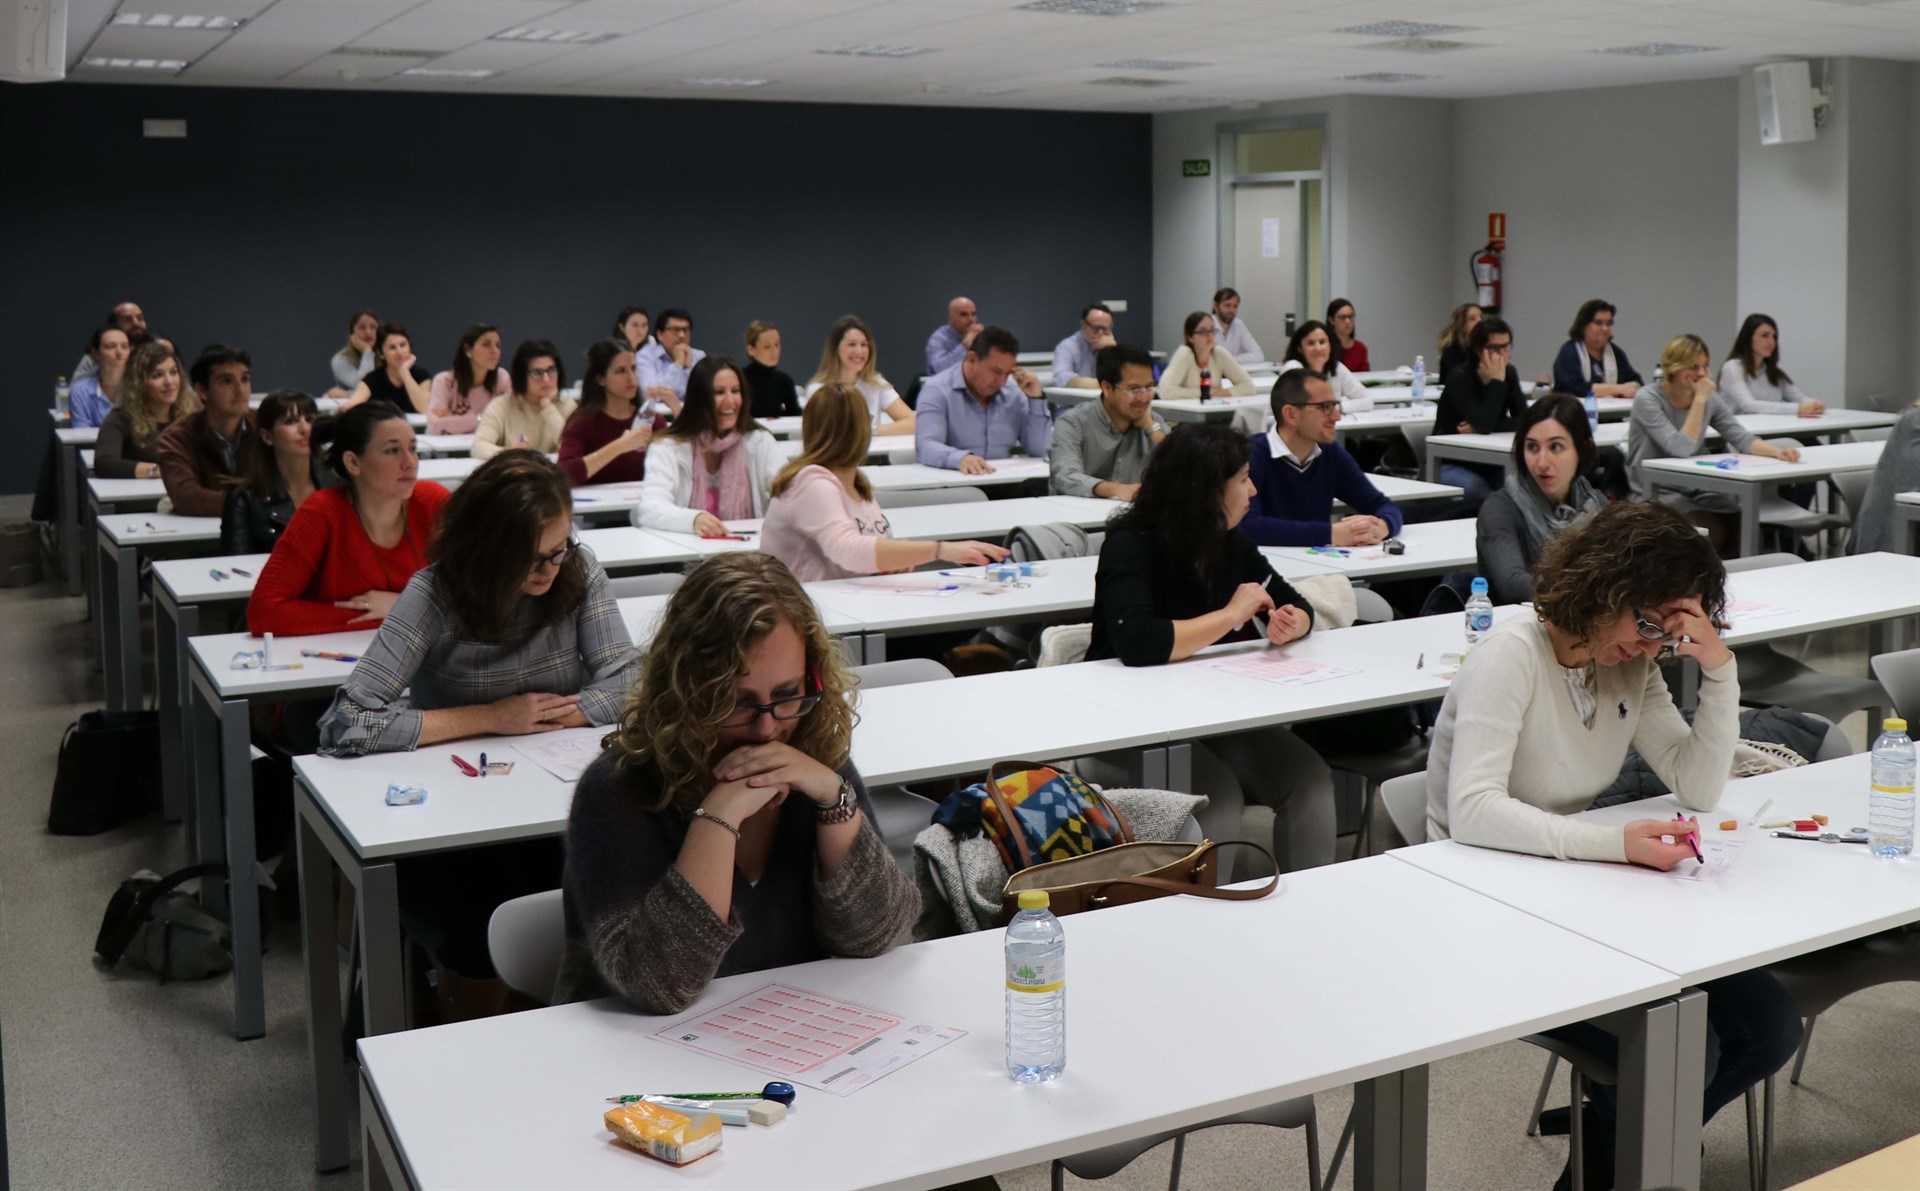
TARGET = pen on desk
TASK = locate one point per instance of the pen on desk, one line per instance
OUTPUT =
(331, 655)
(239, 571)
(483, 765)
(1422, 663)
(1824, 837)
(217, 573)
(1693, 840)
(465, 768)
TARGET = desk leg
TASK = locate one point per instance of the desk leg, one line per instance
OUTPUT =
(120, 625)
(243, 888)
(71, 555)
(172, 626)
(321, 937)
(209, 833)
(1390, 1132)
(384, 981)
(380, 1161)
(1749, 520)
(873, 648)
(1662, 1064)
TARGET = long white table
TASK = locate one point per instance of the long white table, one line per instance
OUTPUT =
(1497, 449)
(120, 540)
(1332, 948)
(1432, 548)
(1747, 478)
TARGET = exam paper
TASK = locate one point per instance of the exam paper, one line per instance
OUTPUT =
(565, 753)
(1269, 665)
(807, 1038)
(1722, 855)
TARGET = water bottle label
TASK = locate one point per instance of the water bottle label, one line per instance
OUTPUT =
(1036, 976)
(1480, 620)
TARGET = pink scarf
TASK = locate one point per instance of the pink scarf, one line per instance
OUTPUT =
(727, 494)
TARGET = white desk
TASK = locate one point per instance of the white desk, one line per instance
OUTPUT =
(989, 520)
(120, 539)
(444, 444)
(1389, 419)
(181, 589)
(918, 476)
(1406, 492)
(1433, 548)
(1498, 448)
(785, 426)
(1906, 519)
(1748, 481)
(1356, 928)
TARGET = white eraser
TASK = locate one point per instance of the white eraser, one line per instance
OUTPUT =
(766, 1112)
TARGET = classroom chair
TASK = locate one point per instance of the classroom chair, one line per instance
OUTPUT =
(1899, 673)
(1771, 677)
(898, 813)
(1777, 512)
(906, 498)
(628, 586)
(1110, 1160)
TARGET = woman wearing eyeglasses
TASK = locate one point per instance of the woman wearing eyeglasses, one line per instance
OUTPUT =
(510, 629)
(1181, 380)
(724, 829)
(535, 414)
(1484, 399)
(1540, 718)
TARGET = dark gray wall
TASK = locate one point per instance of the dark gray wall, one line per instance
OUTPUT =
(286, 210)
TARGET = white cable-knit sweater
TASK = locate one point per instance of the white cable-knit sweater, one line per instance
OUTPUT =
(1511, 763)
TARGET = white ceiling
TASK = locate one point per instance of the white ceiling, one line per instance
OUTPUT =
(984, 53)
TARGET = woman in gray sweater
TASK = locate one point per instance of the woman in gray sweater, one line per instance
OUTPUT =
(1546, 493)
(724, 829)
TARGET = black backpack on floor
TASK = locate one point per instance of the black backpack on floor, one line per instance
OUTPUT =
(157, 928)
(109, 772)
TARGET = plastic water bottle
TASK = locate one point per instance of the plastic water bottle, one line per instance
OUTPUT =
(1419, 378)
(1206, 384)
(1036, 992)
(1593, 411)
(1890, 800)
(1479, 613)
(62, 402)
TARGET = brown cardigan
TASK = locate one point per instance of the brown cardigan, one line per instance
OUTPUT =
(194, 467)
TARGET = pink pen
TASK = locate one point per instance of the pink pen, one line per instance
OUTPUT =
(1693, 840)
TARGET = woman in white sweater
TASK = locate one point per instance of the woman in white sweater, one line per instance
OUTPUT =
(716, 463)
(1312, 347)
(1541, 716)
(1181, 380)
(1751, 378)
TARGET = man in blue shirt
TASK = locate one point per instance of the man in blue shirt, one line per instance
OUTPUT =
(948, 343)
(1298, 471)
(980, 408)
(665, 363)
(1073, 357)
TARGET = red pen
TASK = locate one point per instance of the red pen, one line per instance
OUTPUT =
(465, 768)
(1693, 840)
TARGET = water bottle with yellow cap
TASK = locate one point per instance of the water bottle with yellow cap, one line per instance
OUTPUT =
(1036, 992)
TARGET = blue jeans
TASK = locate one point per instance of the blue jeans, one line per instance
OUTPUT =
(1473, 480)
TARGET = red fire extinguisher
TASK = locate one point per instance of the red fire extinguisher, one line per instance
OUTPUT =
(1485, 264)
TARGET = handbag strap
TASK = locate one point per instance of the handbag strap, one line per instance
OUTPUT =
(1208, 891)
(1008, 823)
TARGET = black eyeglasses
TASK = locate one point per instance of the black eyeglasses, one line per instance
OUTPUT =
(557, 556)
(1325, 407)
(542, 373)
(789, 708)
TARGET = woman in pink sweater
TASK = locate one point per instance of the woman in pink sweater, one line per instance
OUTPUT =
(823, 522)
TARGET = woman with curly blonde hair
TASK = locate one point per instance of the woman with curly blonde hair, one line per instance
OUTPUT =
(1539, 721)
(724, 829)
(153, 396)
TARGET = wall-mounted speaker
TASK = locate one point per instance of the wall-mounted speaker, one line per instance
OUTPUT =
(1784, 93)
(33, 41)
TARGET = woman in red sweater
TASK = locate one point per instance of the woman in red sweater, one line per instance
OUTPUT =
(349, 551)
(604, 443)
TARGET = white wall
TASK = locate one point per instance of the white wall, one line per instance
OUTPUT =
(1623, 193)
(1877, 96)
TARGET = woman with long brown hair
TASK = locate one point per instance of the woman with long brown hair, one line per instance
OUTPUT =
(823, 522)
(724, 829)
(153, 397)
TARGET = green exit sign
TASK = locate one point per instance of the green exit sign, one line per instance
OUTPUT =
(1196, 167)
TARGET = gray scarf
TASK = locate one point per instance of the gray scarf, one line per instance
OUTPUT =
(1542, 520)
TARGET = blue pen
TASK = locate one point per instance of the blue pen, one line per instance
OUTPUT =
(217, 573)
(483, 765)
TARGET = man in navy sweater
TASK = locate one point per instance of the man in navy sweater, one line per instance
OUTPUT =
(1298, 471)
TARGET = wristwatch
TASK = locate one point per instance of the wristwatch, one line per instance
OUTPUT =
(841, 809)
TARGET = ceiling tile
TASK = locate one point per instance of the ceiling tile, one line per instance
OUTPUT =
(449, 24)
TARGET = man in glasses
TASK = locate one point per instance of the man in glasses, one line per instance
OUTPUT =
(665, 364)
(1298, 471)
(1100, 448)
(1073, 365)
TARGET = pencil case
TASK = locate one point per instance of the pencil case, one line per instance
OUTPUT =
(663, 1133)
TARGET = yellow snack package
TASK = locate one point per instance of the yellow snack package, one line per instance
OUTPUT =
(665, 1134)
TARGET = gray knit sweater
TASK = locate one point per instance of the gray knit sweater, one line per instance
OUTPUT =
(638, 929)
(1898, 471)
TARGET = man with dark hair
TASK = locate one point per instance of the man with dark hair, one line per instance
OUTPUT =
(128, 317)
(200, 455)
(1073, 356)
(1484, 398)
(665, 364)
(951, 339)
(1298, 471)
(980, 408)
(1100, 448)
(1234, 336)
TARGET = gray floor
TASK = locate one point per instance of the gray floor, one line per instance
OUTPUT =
(116, 1082)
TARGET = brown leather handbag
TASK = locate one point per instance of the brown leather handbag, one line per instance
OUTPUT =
(1127, 873)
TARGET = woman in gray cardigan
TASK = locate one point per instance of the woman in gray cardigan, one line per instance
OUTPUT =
(1546, 492)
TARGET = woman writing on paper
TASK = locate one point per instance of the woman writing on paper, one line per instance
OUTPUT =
(823, 522)
(716, 464)
(1176, 576)
(724, 829)
(1546, 493)
(510, 629)
(1541, 716)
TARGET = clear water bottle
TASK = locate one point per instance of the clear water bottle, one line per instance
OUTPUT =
(1206, 384)
(1036, 992)
(1479, 613)
(62, 402)
(1419, 378)
(1593, 411)
(1890, 800)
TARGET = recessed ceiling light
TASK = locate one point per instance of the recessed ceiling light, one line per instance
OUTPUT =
(1417, 45)
(1091, 8)
(167, 20)
(556, 36)
(445, 72)
(725, 82)
(877, 51)
(1401, 29)
(169, 64)
(1151, 64)
(1122, 80)
(1659, 49)
(1385, 76)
